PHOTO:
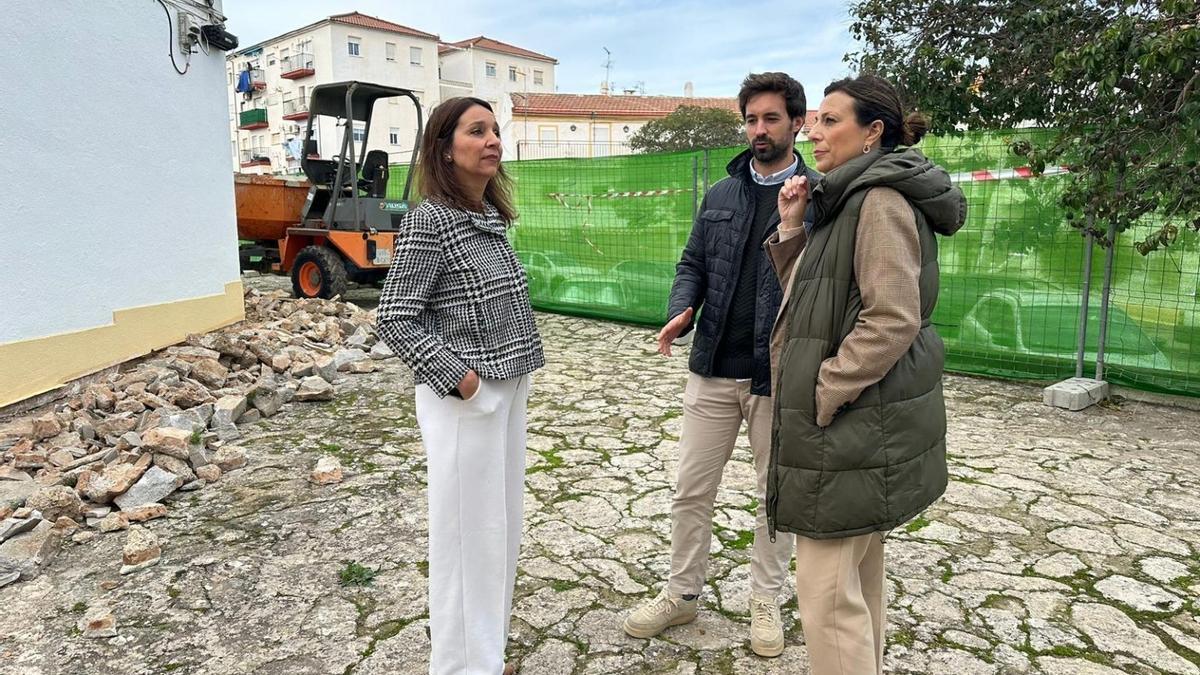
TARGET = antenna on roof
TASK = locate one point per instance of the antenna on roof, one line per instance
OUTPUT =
(608, 62)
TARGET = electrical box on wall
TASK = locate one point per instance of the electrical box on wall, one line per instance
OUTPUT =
(189, 32)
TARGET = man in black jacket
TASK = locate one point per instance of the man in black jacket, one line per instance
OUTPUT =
(725, 273)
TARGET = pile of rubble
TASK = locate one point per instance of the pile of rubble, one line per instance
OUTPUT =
(110, 453)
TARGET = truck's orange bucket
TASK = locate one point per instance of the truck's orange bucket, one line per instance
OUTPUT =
(267, 206)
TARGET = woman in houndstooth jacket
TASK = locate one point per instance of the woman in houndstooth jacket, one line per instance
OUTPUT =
(455, 307)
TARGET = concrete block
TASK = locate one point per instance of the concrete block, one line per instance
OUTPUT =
(1076, 393)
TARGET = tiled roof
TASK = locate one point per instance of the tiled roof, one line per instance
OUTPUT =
(488, 43)
(574, 105)
(357, 19)
(577, 105)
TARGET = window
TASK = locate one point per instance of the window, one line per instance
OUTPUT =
(390, 51)
(547, 134)
(394, 136)
(414, 56)
(537, 77)
(303, 97)
(360, 132)
(600, 138)
(354, 46)
(489, 68)
(512, 73)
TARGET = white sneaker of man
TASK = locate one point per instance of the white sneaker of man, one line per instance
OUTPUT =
(664, 611)
(766, 629)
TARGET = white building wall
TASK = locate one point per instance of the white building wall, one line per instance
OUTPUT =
(373, 66)
(456, 64)
(152, 218)
(543, 138)
(118, 171)
(496, 90)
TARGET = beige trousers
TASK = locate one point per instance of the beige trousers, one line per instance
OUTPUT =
(840, 594)
(713, 411)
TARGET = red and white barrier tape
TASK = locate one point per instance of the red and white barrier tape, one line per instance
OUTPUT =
(1004, 174)
(964, 177)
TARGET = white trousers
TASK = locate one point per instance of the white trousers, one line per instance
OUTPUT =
(476, 464)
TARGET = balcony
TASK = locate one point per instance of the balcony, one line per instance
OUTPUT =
(254, 118)
(295, 109)
(258, 80)
(296, 66)
(255, 157)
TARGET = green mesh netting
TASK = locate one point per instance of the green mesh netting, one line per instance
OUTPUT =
(600, 237)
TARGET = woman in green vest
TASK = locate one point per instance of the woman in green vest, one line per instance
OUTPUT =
(859, 433)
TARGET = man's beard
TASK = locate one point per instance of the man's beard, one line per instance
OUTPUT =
(770, 154)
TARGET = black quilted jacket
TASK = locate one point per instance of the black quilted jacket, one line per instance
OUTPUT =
(707, 273)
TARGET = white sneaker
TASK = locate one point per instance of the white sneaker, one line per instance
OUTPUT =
(663, 611)
(766, 629)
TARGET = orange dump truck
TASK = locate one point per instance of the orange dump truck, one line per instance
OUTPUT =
(319, 260)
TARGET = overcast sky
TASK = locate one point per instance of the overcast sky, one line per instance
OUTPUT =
(659, 45)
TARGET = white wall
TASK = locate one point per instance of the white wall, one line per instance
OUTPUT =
(117, 170)
(373, 66)
(455, 65)
(571, 143)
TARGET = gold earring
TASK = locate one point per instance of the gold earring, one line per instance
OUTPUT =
(866, 149)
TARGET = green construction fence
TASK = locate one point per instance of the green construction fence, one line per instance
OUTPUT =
(600, 237)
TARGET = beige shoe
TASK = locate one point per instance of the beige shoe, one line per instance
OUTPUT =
(663, 611)
(766, 629)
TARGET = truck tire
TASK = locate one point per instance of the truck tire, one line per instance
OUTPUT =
(318, 272)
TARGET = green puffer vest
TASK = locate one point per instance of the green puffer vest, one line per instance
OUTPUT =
(883, 459)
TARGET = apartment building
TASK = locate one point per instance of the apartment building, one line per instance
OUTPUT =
(493, 71)
(276, 77)
(270, 82)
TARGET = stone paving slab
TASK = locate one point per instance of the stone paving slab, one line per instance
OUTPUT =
(1067, 543)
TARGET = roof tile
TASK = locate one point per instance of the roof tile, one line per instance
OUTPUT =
(357, 19)
(482, 42)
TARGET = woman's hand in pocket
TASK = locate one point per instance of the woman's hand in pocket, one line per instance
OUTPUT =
(468, 386)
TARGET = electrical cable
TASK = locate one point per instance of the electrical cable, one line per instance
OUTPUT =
(203, 42)
(171, 43)
(199, 10)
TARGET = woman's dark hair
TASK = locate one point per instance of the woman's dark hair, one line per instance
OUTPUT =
(435, 174)
(876, 99)
(777, 83)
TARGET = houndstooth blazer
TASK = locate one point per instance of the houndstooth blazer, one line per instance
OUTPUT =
(456, 299)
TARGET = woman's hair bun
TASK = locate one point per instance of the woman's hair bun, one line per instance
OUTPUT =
(915, 127)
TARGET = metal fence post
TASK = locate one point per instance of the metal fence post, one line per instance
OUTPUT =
(1085, 295)
(1107, 291)
(706, 170)
(695, 185)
